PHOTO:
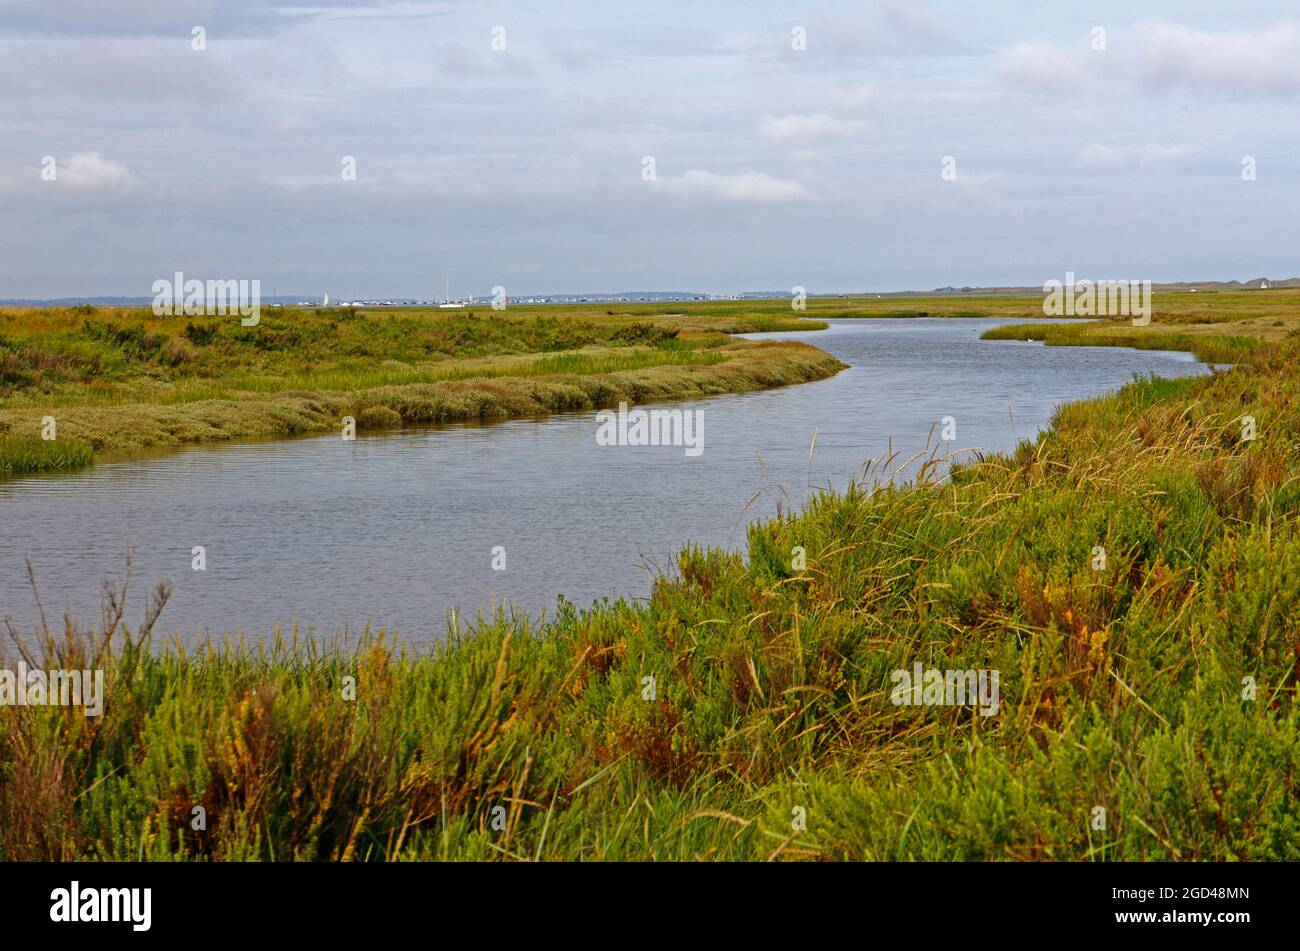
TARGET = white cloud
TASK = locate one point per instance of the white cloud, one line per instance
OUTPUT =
(546, 168)
(92, 172)
(745, 187)
(805, 128)
(1160, 56)
(910, 18)
(1046, 69)
(1259, 62)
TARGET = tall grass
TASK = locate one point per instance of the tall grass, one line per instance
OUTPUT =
(20, 455)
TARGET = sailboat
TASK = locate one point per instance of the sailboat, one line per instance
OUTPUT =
(446, 297)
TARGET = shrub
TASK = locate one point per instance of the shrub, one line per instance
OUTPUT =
(379, 417)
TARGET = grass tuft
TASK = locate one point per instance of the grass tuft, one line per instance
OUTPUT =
(23, 455)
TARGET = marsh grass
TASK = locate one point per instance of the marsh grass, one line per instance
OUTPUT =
(1218, 348)
(21, 455)
(124, 379)
(522, 740)
(516, 740)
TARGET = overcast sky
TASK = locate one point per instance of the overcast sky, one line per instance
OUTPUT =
(523, 167)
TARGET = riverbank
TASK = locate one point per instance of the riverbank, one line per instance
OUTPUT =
(1208, 348)
(1132, 577)
(121, 380)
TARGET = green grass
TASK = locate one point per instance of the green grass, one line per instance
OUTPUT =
(88, 353)
(124, 379)
(1123, 688)
(22, 455)
(1160, 688)
(1207, 348)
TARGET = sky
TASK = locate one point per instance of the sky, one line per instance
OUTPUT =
(561, 147)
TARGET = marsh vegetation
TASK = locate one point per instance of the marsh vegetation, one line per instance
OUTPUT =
(125, 379)
(754, 686)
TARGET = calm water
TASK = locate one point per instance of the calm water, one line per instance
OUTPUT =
(399, 529)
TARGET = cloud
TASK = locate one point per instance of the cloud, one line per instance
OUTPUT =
(1147, 157)
(746, 187)
(146, 70)
(911, 19)
(889, 28)
(222, 18)
(544, 169)
(807, 128)
(851, 98)
(1261, 62)
(1045, 69)
(82, 17)
(89, 171)
(87, 73)
(1157, 56)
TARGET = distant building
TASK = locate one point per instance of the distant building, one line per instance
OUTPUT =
(1264, 285)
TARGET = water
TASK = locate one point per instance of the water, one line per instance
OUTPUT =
(398, 529)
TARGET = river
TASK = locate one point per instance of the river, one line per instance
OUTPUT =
(397, 529)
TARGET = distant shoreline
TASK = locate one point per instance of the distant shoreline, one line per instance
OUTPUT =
(666, 297)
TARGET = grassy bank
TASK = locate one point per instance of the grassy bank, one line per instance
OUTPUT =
(1147, 700)
(1208, 348)
(1216, 327)
(20, 455)
(124, 379)
(121, 379)
(1267, 315)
